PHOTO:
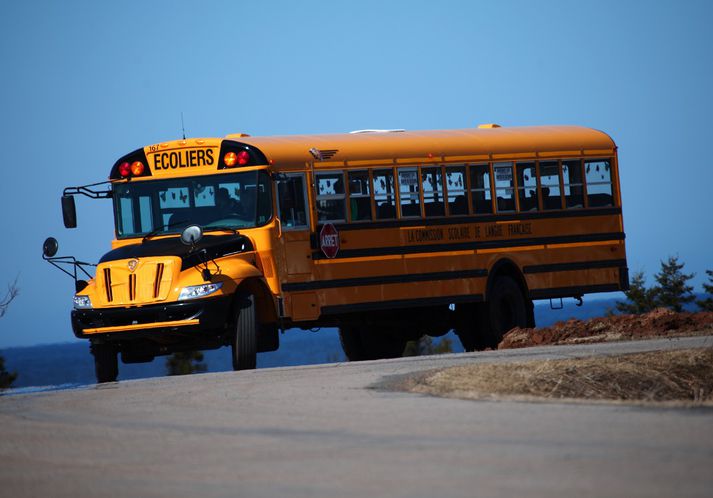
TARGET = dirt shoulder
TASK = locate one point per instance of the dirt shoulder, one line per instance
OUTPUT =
(679, 378)
(660, 322)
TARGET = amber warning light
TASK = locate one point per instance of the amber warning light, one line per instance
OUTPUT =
(241, 158)
(133, 169)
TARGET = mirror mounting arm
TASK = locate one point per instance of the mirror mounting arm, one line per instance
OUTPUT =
(89, 192)
(48, 254)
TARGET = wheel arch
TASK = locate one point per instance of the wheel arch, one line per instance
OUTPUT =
(265, 305)
(506, 267)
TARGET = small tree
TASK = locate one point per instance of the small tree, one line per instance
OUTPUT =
(707, 303)
(641, 299)
(185, 363)
(6, 378)
(12, 293)
(672, 290)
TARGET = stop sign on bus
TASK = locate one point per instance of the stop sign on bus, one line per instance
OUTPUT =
(329, 240)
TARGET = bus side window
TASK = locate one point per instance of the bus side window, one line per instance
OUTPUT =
(432, 185)
(408, 193)
(572, 184)
(291, 202)
(480, 188)
(504, 187)
(330, 196)
(384, 194)
(550, 183)
(527, 186)
(599, 188)
(359, 196)
(455, 183)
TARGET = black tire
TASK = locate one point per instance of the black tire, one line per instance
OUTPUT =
(244, 341)
(106, 362)
(507, 308)
(360, 343)
(350, 338)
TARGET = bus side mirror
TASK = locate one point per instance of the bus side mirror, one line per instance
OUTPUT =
(50, 247)
(69, 211)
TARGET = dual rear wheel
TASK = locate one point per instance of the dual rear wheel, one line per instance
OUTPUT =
(482, 325)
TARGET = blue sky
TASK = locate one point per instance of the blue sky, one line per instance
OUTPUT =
(86, 82)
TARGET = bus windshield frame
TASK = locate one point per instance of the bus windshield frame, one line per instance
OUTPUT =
(237, 200)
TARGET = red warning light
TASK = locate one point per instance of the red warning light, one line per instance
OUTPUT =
(243, 157)
(124, 169)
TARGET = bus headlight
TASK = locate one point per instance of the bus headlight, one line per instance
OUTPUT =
(195, 291)
(82, 302)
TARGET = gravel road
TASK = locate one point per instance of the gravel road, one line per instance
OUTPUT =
(326, 431)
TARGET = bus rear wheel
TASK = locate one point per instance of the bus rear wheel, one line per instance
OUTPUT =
(507, 308)
(106, 362)
(244, 340)
(361, 343)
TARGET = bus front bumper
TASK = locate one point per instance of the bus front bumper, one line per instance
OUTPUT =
(198, 314)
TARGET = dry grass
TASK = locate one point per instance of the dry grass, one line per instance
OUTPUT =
(663, 376)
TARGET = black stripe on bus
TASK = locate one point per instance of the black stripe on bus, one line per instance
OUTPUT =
(462, 246)
(582, 265)
(459, 220)
(572, 291)
(402, 303)
(386, 279)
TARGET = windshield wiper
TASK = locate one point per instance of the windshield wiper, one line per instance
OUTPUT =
(221, 227)
(159, 229)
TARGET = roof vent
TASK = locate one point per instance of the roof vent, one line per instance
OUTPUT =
(322, 155)
(376, 131)
(488, 126)
(237, 135)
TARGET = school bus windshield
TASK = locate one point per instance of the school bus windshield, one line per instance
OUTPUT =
(239, 200)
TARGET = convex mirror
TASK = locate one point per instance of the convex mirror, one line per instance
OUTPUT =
(50, 247)
(191, 235)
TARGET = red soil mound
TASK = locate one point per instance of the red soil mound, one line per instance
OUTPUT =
(660, 322)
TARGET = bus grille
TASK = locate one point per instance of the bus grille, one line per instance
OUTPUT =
(149, 282)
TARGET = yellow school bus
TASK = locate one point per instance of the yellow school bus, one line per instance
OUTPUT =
(386, 234)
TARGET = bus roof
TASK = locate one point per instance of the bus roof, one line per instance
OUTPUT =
(404, 146)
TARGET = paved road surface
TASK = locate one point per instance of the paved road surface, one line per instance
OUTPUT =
(321, 431)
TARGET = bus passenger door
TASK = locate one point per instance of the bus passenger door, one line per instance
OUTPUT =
(293, 212)
(294, 220)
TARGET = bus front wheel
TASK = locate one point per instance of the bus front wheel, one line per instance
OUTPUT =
(244, 340)
(106, 362)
